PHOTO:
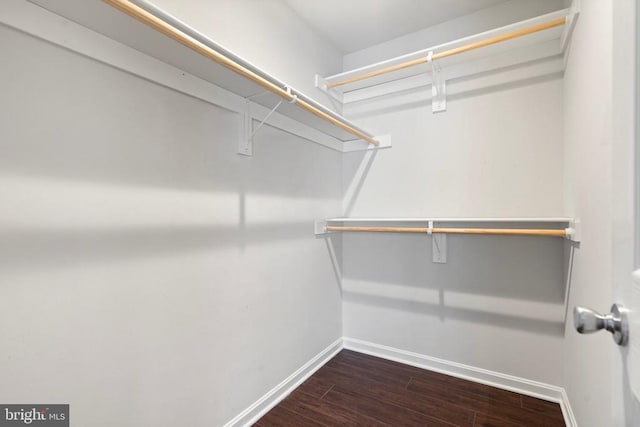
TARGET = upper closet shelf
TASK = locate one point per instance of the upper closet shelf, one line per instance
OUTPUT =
(144, 27)
(536, 45)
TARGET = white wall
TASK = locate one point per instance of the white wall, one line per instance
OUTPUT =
(588, 188)
(498, 302)
(148, 274)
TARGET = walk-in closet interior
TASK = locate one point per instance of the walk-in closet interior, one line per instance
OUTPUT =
(317, 213)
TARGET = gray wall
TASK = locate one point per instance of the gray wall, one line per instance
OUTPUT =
(498, 302)
(148, 274)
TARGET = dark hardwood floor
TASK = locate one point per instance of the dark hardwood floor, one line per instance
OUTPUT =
(360, 390)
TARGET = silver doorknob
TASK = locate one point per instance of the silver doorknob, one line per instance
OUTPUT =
(587, 321)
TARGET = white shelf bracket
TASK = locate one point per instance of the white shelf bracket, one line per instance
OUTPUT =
(333, 93)
(438, 245)
(321, 83)
(572, 17)
(574, 231)
(320, 227)
(360, 145)
(248, 132)
(438, 86)
(245, 145)
(263, 121)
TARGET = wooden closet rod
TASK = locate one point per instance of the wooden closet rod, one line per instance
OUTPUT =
(167, 29)
(471, 46)
(424, 230)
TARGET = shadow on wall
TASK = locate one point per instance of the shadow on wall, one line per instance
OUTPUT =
(99, 165)
(102, 125)
(355, 171)
(334, 248)
(45, 250)
(514, 282)
(443, 311)
(506, 281)
(526, 268)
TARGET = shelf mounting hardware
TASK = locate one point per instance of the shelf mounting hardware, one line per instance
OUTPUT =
(438, 86)
(574, 12)
(262, 122)
(320, 227)
(246, 144)
(438, 245)
(322, 84)
(574, 231)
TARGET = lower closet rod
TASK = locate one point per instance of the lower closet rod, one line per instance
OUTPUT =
(489, 231)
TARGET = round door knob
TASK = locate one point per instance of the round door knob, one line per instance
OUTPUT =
(587, 321)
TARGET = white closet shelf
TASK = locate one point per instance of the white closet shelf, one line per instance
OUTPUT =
(529, 43)
(514, 226)
(171, 41)
(557, 220)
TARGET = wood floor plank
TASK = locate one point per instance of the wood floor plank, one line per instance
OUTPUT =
(481, 390)
(483, 420)
(400, 396)
(326, 412)
(549, 409)
(433, 408)
(355, 389)
(480, 405)
(448, 381)
(282, 417)
(380, 375)
(382, 411)
(353, 380)
(315, 387)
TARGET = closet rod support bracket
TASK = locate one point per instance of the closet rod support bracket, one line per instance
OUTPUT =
(245, 144)
(438, 86)
(571, 19)
(322, 84)
(574, 231)
(320, 227)
(248, 131)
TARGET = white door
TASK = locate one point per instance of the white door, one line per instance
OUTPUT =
(625, 198)
(622, 375)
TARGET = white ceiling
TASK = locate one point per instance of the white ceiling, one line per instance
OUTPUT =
(352, 25)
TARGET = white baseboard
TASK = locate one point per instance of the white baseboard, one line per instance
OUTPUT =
(495, 379)
(282, 390)
(567, 412)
